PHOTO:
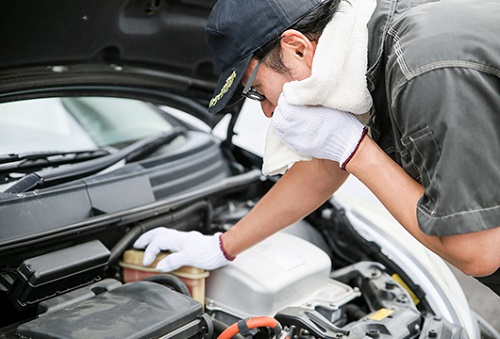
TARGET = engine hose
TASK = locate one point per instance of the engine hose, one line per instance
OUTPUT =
(168, 219)
(220, 326)
(170, 281)
(245, 325)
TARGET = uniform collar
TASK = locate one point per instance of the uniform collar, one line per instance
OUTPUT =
(378, 26)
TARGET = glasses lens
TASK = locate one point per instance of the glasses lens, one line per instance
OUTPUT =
(254, 95)
(248, 92)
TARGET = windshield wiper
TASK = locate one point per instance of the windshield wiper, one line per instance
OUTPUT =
(34, 161)
(133, 152)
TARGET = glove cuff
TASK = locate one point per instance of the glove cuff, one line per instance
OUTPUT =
(363, 133)
(223, 250)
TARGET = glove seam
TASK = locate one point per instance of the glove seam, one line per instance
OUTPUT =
(223, 250)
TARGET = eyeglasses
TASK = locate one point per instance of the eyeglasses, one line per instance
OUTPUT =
(248, 91)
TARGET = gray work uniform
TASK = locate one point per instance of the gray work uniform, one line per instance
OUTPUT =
(434, 74)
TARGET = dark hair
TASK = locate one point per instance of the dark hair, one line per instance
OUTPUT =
(311, 25)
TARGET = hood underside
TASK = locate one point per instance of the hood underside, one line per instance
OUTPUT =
(133, 48)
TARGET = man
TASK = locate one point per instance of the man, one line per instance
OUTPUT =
(429, 75)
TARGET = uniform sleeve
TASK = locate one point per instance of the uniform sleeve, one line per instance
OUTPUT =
(449, 124)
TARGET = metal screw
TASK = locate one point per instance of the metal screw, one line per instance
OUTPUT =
(432, 334)
(373, 333)
(390, 285)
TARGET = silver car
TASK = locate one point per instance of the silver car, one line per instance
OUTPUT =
(104, 135)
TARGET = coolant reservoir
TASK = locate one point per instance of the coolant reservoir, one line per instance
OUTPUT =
(283, 270)
(192, 277)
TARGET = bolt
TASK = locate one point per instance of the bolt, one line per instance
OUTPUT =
(432, 334)
(373, 333)
(390, 285)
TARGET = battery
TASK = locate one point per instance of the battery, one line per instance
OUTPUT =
(58, 272)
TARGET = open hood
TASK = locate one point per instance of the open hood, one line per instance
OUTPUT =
(154, 49)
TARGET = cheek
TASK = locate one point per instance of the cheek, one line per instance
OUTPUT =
(273, 95)
(274, 90)
(271, 83)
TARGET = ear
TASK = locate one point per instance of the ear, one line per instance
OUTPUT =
(296, 47)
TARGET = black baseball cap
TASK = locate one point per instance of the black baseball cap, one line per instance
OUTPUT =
(238, 28)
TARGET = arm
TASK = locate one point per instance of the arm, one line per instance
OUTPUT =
(475, 253)
(326, 133)
(301, 190)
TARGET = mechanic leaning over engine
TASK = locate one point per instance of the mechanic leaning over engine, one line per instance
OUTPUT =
(428, 76)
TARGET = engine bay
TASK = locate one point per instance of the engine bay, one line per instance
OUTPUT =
(284, 277)
(75, 275)
(288, 278)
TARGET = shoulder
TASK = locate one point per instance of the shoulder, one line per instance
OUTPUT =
(447, 34)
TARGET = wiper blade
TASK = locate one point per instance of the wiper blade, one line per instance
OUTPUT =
(130, 153)
(51, 156)
(34, 161)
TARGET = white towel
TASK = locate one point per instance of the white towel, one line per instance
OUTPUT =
(278, 158)
(337, 77)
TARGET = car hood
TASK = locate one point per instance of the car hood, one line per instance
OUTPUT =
(153, 49)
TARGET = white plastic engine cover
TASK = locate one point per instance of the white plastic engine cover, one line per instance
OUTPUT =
(281, 271)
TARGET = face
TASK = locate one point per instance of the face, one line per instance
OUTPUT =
(267, 82)
(297, 54)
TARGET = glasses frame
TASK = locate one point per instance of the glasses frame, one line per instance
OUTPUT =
(248, 91)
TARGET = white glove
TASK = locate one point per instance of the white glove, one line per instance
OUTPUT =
(318, 131)
(190, 249)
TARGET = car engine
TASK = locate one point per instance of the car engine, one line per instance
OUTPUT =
(285, 278)
(78, 277)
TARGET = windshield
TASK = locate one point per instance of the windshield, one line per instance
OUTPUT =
(76, 123)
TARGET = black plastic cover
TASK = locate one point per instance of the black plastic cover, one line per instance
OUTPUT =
(64, 208)
(51, 274)
(139, 309)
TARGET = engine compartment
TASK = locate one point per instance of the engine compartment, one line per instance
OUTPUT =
(318, 278)
(284, 277)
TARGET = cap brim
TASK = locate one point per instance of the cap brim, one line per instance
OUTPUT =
(229, 86)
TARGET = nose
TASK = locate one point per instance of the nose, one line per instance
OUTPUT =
(267, 108)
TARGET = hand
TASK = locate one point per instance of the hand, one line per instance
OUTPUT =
(318, 131)
(190, 249)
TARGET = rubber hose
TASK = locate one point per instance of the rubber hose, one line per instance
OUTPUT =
(170, 218)
(251, 323)
(171, 281)
(220, 326)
